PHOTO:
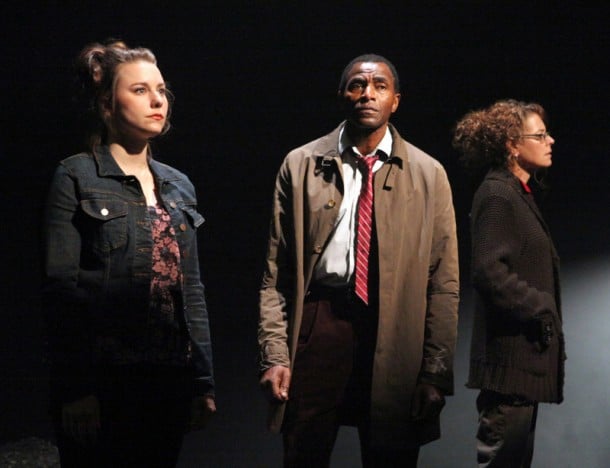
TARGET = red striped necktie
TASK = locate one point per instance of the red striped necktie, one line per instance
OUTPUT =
(365, 221)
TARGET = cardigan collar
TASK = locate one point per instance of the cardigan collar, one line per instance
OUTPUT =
(509, 178)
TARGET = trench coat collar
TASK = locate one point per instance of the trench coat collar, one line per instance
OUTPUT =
(326, 152)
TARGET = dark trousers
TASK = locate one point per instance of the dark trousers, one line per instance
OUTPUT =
(331, 383)
(507, 425)
(144, 415)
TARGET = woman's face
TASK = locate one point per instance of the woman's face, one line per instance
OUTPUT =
(140, 105)
(533, 149)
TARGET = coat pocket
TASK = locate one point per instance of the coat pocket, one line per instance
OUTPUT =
(106, 222)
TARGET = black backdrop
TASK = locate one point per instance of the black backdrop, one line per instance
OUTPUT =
(255, 80)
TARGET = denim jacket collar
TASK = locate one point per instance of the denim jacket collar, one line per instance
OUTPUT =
(108, 167)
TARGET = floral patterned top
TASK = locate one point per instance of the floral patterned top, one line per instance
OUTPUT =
(169, 344)
(164, 339)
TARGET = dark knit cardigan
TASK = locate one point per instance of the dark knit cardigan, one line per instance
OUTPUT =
(517, 341)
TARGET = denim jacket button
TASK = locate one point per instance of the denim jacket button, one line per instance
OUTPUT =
(183, 227)
(172, 204)
(104, 211)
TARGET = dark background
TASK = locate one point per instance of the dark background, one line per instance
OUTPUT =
(253, 80)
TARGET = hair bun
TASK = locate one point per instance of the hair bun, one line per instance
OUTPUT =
(116, 44)
(89, 65)
(95, 57)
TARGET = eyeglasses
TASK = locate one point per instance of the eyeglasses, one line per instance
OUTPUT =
(541, 137)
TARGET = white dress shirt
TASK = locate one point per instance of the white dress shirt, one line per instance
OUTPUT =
(337, 262)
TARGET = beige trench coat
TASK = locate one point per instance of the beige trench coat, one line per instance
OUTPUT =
(418, 270)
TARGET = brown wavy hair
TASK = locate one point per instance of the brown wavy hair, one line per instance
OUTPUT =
(96, 68)
(481, 136)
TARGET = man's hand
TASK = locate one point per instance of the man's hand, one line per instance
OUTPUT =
(428, 401)
(81, 419)
(202, 409)
(275, 383)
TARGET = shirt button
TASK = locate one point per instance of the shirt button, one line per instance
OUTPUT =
(104, 211)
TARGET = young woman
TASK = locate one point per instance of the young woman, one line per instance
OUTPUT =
(129, 340)
(517, 353)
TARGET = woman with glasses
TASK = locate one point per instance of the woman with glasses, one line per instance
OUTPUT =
(129, 340)
(517, 350)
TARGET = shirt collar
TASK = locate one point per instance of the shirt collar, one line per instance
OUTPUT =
(526, 188)
(385, 145)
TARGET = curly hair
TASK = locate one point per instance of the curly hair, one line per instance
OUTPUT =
(96, 67)
(481, 136)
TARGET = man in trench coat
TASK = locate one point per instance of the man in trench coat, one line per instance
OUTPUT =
(328, 356)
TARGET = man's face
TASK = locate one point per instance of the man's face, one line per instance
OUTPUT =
(369, 97)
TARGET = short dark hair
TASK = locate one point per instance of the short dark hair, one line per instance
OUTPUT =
(373, 58)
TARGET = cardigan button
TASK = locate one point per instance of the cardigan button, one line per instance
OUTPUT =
(317, 249)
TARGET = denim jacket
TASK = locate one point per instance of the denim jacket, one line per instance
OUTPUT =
(97, 264)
